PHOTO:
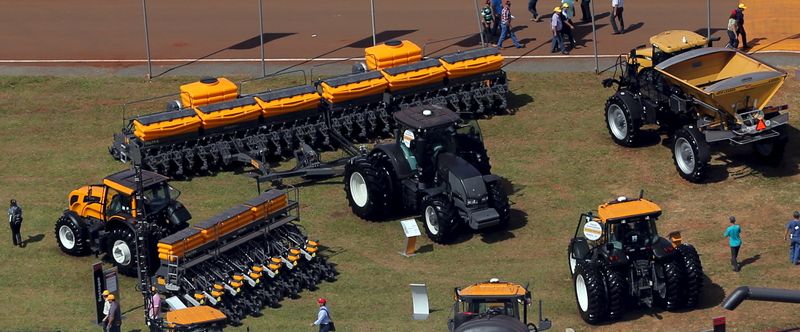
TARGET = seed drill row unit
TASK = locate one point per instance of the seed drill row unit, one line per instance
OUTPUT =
(242, 260)
(214, 125)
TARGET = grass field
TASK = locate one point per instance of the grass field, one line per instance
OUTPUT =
(554, 152)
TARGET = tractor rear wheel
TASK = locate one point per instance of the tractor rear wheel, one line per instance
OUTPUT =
(122, 250)
(672, 282)
(615, 285)
(71, 236)
(691, 154)
(692, 284)
(621, 125)
(368, 188)
(590, 293)
(440, 219)
(499, 201)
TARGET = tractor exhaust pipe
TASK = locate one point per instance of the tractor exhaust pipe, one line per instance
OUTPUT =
(760, 294)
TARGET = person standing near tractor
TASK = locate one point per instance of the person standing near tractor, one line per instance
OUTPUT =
(505, 27)
(155, 311)
(114, 320)
(616, 13)
(106, 309)
(532, 9)
(733, 233)
(793, 232)
(740, 24)
(323, 317)
(15, 221)
(733, 42)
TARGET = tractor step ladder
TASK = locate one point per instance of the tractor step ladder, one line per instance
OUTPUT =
(172, 272)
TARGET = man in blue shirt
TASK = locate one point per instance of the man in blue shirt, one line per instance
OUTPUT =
(497, 8)
(734, 240)
(323, 317)
(793, 230)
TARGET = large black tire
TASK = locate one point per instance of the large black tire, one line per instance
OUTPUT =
(71, 236)
(691, 154)
(617, 291)
(368, 185)
(771, 151)
(692, 281)
(590, 295)
(440, 218)
(121, 250)
(622, 124)
(672, 282)
(499, 201)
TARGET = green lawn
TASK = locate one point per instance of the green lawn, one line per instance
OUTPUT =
(554, 151)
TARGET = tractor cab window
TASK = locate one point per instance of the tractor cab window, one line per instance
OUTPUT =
(500, 307)
(117, 203)
(468, 136)
(640, 232)
(158, 197)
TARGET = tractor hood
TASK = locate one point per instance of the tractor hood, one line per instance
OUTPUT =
(492, 324)
(465, 180)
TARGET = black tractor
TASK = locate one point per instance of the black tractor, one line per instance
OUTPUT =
(620, 259)
(437, 166)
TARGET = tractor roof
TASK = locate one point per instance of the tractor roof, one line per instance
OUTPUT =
(123, 181)
(493, 289)
(426, 116)
(627, 208)
(677, 40)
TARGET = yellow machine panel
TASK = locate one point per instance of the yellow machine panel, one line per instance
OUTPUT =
(193, 316)
(166, 124)
(208, 91)
(353, 86)
(415, 74)
(472, 62)
(283, 101)
(625, 209)
(87, 201)
(493, 289)
(391, 54)
(229, 112)
(677, 40)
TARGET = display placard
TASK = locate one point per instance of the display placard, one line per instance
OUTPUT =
(592, 230)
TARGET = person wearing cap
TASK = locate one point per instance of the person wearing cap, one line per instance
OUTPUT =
(740, 24)
(616, 13)
(532, 9)
(15, 221)
(567, 26)
(114, 320)
(733, 233)
(733, 42)
(793, 233)
(323, 316)
(571, 7)
(555, 26)
(106, 308)
(505, 27)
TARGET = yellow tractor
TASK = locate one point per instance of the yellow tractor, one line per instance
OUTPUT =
(101, 218)
(494, 306)
(616, 257)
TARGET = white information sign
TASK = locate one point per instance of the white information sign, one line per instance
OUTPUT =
(410, 228)
(592, 230)
(419, 302)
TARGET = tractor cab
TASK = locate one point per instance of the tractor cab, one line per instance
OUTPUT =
(666, 45)
(493, 306)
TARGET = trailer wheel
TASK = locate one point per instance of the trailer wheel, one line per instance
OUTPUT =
(771, 150)
(71, 236)
(672, 282)
(615, 285)
(692, 283)
(440, 219)
(691, 154)
(122, 250)
(368, 189)
(620, 121)
(499, 201)
(590, 294)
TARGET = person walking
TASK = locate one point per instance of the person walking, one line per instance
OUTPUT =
(616, 13)
(570, 8)
(497, 9)
(733, 233)
(114, 321)
(488, 19)
(567, 26)
(15, 221)
(155, 311)
(505, 27)
(323, 317)
(555, 27)
(793, 232)
(532, 9)
(733, 42)
(586, 12)
(106, 309)
(740, 24)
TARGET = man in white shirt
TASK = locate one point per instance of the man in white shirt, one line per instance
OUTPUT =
(616, 12)
(323, 317)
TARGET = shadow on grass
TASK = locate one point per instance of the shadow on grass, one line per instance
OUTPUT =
(517, 101)
(749, 260)
(32, 239)
(425, 249)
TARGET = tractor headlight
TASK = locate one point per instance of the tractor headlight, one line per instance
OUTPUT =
(472, 201)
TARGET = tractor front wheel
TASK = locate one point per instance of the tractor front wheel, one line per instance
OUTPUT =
(440, 219)
(122, 250)
(692, 268)
(691, 154)
(498, 200)
(590, 293)
(620, 122)
(71, 236)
